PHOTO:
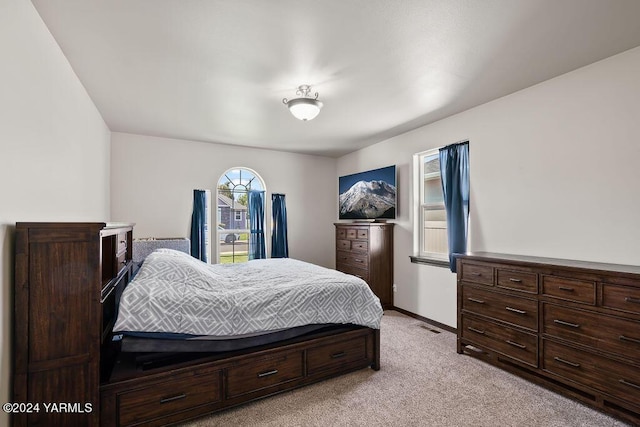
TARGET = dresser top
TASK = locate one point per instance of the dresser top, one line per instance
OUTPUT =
(364, 224)
(548, 262)
(73, 224)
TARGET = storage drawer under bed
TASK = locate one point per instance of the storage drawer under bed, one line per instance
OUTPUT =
(180, 393)
(336, 355)
(264, 372)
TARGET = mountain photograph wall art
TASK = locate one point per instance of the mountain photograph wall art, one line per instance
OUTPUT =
(368, 195)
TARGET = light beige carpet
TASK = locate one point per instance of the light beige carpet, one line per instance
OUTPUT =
(422, 382)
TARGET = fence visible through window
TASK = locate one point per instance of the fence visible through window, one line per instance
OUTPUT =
(435, 230)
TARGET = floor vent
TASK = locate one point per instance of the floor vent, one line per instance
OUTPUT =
(435, 331)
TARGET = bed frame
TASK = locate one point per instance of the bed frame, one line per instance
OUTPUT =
(165, 388)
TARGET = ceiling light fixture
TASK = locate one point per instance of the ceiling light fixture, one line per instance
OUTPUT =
(303, 108)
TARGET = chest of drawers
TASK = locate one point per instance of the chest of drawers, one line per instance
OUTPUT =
(569, 325)
(365, 250)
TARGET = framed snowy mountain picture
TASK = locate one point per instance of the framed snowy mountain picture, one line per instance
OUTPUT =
(368, 195)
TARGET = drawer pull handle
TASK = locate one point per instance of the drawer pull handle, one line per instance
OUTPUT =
(477, 331)
(515, 280)
(515, 310)
(565, 288)
(633, 300)
(566, 362)
(479, 301)
(630, 384)
(338, 355)
(633, 340)
(267, 373)
(172, 398)
(562, 322)
(476, 274)
(515, 344)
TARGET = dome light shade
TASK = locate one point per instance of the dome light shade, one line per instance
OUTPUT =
(304, 108)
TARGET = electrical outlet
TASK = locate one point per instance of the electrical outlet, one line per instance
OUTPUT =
(395, 288)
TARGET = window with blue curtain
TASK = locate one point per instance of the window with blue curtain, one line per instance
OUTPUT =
(279, 239)
(454, 171)
(430, 237)
(257, 248)
(235, 240)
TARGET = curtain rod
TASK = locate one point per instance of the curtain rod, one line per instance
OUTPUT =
(463, 141)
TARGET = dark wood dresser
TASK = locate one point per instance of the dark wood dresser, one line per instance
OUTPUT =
(68, 279)
(365, 250)
(572, 326)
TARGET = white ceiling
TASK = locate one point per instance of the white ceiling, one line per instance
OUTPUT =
(217, 70)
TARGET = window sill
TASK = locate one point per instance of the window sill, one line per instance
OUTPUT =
(436, 262)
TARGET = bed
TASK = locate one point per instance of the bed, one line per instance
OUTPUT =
(196, 338)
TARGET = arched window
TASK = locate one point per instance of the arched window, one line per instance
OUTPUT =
(232, 224)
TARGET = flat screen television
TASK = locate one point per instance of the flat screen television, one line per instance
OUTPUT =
(368, 195)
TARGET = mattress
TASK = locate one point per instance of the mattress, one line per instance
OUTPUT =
(151, 342)
(175, 293)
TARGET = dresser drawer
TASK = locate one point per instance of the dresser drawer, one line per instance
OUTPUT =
(569, 289)
(517, 280)
(477, 273)
(341, 233)
(360, 245)
(336, 355)
(343, 244)
(263, 372)
(512, 309)
(606, 333)
(612, 377)
(361, 273)
(362, 233)
(177, 394)
(507, 341)
(623, 298)
(355, 259)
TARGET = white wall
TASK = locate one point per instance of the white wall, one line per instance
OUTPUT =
(152, 182)
(54, 149)
(553, 169)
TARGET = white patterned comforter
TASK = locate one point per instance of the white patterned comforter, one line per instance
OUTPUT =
(176, 293)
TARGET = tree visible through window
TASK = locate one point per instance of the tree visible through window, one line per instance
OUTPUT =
(233, 213)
